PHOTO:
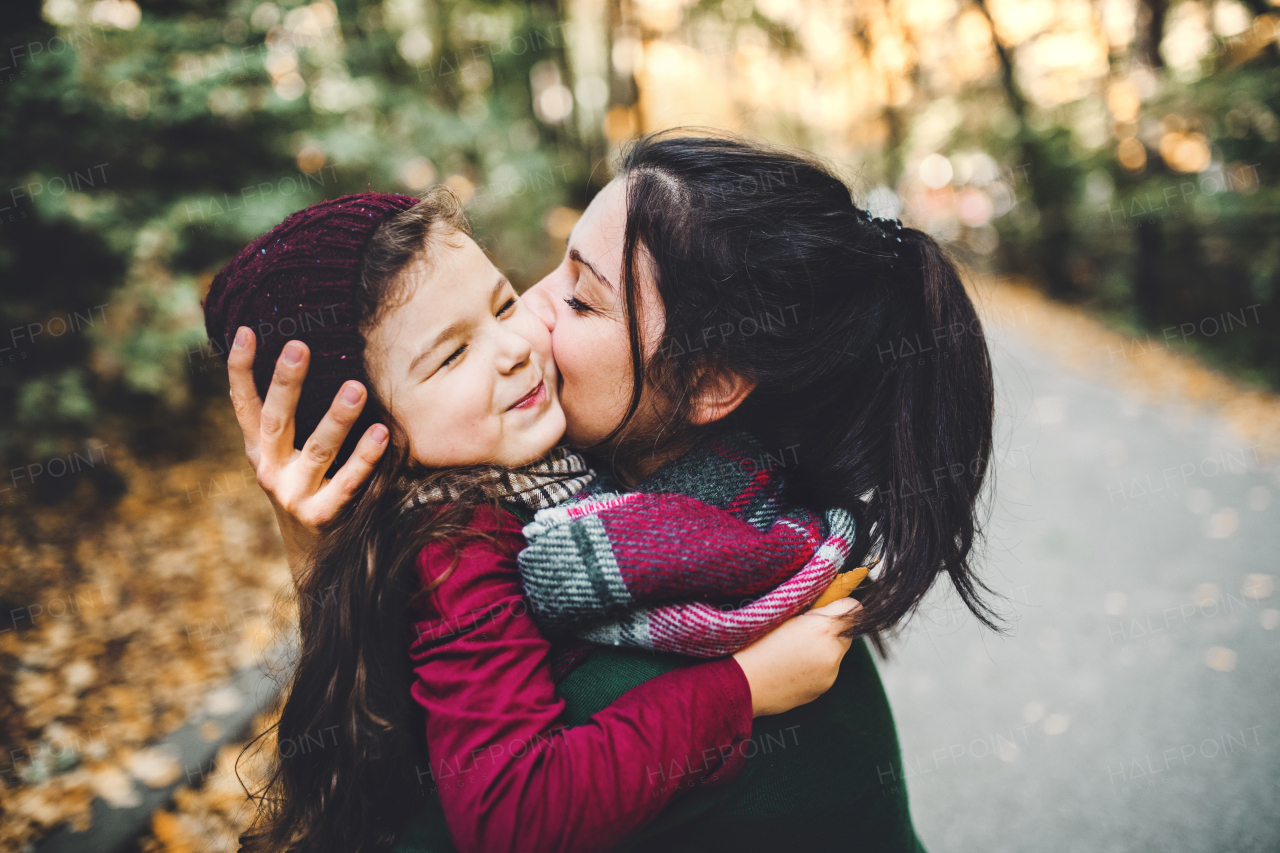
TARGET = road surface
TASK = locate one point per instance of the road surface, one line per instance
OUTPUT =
(1135, 703)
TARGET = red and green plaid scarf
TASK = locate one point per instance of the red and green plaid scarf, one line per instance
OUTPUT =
(702, 558)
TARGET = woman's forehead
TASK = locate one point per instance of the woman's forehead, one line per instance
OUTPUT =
(599, 233)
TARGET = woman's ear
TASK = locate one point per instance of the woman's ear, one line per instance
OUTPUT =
(719, 393)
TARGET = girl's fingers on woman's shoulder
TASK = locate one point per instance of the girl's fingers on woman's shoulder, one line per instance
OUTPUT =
(843, 613)
(353, 473)
(244, 393)
(841, 607)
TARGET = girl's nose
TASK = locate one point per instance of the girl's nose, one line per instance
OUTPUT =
(539, 300)
(513, 350)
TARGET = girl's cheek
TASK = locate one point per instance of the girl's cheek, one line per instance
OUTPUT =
(464, 407)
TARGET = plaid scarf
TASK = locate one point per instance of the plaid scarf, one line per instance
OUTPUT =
(702, 558)
(552, 480)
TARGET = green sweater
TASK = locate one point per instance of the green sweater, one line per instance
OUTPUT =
(826, 776)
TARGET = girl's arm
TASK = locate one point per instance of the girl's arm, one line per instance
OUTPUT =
(510, 778)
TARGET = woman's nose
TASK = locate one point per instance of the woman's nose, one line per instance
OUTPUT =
(539, 300)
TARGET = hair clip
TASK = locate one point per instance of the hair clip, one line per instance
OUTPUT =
(886, 227)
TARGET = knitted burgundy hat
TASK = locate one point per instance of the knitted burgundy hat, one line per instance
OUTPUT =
(298, 282)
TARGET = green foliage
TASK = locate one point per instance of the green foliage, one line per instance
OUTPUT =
(1190, 258)
(141, 159)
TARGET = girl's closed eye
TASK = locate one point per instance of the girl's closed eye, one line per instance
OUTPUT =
(457, 354)
(578, 305)
(507, 309)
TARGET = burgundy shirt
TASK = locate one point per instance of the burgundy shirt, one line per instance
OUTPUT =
(510, 777)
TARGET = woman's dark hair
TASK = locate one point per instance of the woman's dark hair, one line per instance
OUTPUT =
(347, 780)
(873, 377)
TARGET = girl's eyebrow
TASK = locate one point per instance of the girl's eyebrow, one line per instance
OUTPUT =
(575, 255)
(454, 328)
(498, 286)
(449, 331)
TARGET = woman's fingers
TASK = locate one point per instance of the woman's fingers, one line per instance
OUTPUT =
(323, 445)
(351, 476)
(244, 393)
(282, 401)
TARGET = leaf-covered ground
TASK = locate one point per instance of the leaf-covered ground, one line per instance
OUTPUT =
(122, 618)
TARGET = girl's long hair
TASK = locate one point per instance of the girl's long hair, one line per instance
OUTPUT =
(343, 775)
(874, 383)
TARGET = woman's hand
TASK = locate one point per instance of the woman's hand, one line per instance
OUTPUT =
(293, 479)
(799, 660)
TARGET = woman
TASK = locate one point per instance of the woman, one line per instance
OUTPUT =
(719, 285)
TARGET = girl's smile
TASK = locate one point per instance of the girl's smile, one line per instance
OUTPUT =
(534, 398)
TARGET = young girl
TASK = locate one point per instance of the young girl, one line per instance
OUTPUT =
(461, 372)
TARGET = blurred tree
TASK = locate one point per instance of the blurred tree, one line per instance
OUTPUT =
(1167, 222)
(1152, 17)
(144, 145)
(1099, 149)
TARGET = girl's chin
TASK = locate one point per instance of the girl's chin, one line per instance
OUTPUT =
(515, 450)
(523, 459)
(538, 441)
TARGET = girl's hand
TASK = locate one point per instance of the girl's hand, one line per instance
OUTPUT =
(799, 660)
(293, 479)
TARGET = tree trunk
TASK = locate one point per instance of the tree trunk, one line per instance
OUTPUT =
(1055, 229)
(1146, 278)
(1152, 32)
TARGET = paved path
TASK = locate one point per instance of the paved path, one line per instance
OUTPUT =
(1136, 703)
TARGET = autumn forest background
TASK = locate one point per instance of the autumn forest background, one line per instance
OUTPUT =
(1119, 157)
